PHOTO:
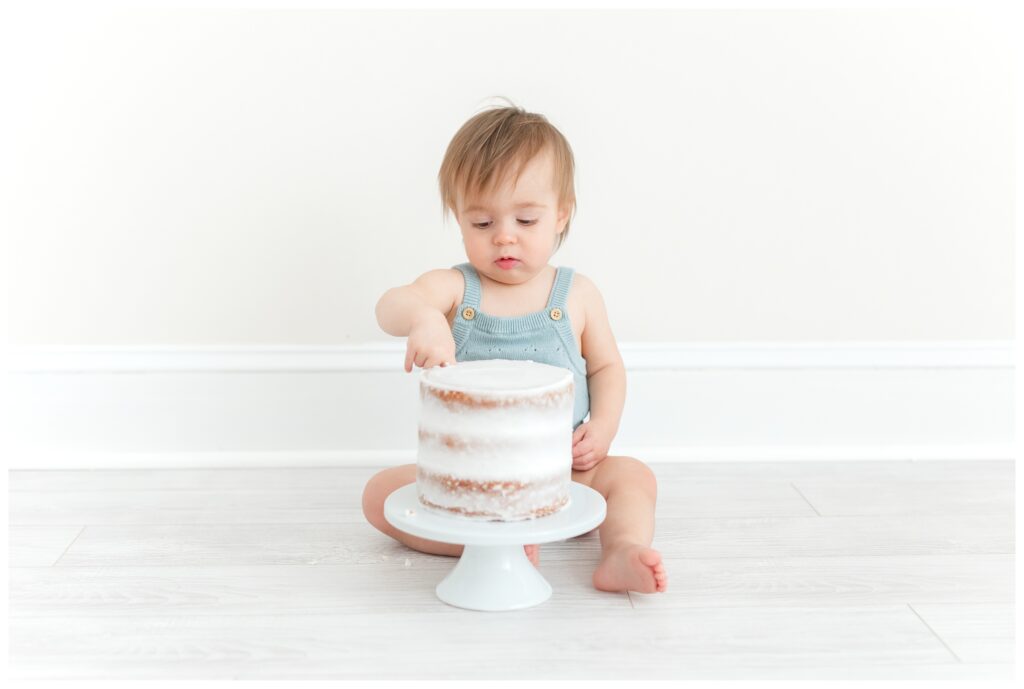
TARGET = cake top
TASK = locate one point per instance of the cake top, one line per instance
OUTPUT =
(506, 376)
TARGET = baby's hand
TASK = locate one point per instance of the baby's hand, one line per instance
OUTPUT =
(430, 343)
(590, 444)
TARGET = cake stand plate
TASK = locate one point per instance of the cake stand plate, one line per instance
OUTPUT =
(494, 572)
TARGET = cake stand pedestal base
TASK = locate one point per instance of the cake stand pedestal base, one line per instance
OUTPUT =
(493, 572)
(494, 577)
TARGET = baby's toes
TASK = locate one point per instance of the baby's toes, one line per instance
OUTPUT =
(650, 557)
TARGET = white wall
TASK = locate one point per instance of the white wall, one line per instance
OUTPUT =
(260, 177)
(801, 222)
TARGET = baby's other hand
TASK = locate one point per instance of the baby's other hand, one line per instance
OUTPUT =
(430, 343)
(590, 443)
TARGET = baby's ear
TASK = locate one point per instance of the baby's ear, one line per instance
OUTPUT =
(562, 218)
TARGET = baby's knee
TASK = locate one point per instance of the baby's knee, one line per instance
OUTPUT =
(639, 474)
(374, 494)
(379, 487)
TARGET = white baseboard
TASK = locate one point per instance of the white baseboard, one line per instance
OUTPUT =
(383, 458)
(301, 406)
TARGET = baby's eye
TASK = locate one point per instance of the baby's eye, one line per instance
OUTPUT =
(483, 225)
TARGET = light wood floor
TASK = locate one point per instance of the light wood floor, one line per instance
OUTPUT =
(776, 570)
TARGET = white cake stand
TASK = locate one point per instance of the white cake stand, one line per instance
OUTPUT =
(494, 572)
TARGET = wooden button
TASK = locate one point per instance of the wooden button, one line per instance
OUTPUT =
(468, 313)
(556, 314)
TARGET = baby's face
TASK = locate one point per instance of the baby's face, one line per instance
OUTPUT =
(522, 221)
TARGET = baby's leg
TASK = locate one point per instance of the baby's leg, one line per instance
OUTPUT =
(628, 563)
(377, 489)
(386, 482)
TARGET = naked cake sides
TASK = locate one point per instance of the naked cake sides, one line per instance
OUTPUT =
(495, 439)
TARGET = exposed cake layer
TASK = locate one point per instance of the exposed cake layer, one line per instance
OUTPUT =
(457, 400)
(499, 500)
(512, 424)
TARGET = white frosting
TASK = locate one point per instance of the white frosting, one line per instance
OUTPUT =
(523, 462)
(528, 441)
(497, 376)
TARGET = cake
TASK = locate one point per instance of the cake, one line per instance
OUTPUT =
(495, 439)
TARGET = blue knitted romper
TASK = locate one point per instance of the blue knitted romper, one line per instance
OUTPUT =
(543, 336)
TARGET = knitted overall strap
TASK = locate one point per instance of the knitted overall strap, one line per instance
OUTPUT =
(470, 299)
(558, 311)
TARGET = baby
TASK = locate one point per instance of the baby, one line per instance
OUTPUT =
(508, 178)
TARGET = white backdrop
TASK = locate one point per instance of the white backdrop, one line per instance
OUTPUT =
(800, 220)
(189, 177)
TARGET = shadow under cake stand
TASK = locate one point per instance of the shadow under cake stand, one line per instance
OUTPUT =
(494, 572)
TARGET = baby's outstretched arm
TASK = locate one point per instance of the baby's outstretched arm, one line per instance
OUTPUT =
(418, 310)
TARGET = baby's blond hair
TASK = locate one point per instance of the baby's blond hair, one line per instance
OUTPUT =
(497, 140)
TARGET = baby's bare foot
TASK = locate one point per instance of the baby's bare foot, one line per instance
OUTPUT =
(631, 567)
(533, 552)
